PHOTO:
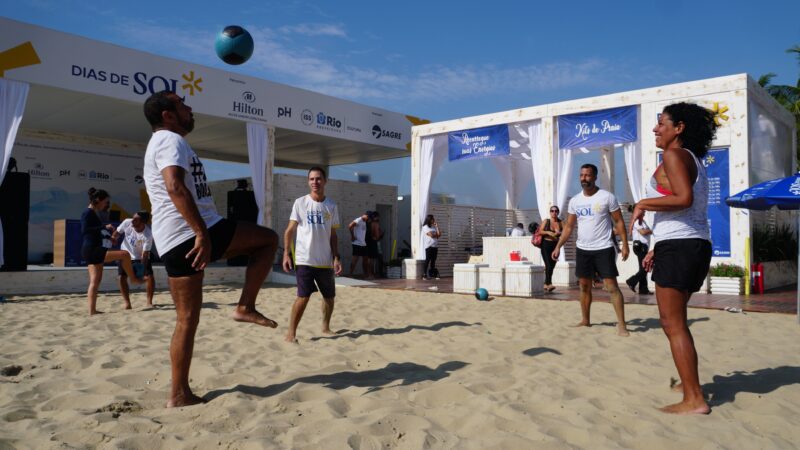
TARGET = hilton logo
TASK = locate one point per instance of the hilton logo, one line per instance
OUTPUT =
(248, 96)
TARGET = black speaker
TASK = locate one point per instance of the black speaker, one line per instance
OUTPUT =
(15, 202)
(242, 207)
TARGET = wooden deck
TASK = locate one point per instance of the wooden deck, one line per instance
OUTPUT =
(780, 301)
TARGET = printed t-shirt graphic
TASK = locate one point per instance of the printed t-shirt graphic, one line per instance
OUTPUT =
(594, 219)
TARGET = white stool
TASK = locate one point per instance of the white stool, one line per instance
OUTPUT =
(465, 277)
(523, 279)
(492, 279)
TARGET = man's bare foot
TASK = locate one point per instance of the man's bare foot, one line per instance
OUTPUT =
(328, 332)
(582, 323)
(185, 401)
(240, 314)
(291, 339)
(622, 331)
(128, 305)
(95, 312)
(685, 408)
(149, 305)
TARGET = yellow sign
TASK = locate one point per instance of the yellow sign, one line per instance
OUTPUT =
(19, 56)
(719, 113)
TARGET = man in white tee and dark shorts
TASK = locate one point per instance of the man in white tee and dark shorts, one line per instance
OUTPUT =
(314, 220)
(594, 210)
(137, 240)
(189, 233)
(358, 235)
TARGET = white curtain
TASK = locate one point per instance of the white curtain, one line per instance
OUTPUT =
(13, 95)
(258, 151)
(564, 159)
(432, 153)
(537, 144)
(633, 165)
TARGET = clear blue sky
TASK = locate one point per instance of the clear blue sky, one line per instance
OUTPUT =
(444, 60)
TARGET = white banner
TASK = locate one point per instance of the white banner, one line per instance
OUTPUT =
(62, 173)
(52, 58)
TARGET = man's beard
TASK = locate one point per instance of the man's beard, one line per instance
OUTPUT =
(587, 184)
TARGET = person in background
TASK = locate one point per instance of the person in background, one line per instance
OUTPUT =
(640, 235)
(550, 231)
(374, 235)
(430, 240)
(96, 245)
(137, 240)
(518, 230)
(358, 234)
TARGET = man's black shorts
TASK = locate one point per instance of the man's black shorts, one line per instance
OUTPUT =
(307, 276)
(372, 249)
(148, 268)
(681, 263)
(175, 261)
(589, 262)
(360, 250)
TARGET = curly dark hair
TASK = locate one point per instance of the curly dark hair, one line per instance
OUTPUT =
(699, 126)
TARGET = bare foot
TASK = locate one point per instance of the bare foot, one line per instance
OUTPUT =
(582, 323)
(128, 306)
(95, 312)
(185, 401)
(291, 339)
(328, 332)
(685, 408)
(149, 305)
(622, 331)
(242, 315)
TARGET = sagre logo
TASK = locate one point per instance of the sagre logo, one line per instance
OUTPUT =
(378, 133)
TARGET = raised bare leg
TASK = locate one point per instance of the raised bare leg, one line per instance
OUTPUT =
(672, 311)
(327, 312)
(619, 304)
(124, 259)
(187, 293)
(259, 244)
(298, 308)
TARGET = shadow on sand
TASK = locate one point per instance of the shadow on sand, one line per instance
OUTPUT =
(406, 373)
(535, 351)
(723, 389)
(383, 331)
(643, 325)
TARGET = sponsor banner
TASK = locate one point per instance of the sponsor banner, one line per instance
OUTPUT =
(62, 173)
(719, 213)
(79, 64)
(717, 166)
(484, 142)
(598, 128)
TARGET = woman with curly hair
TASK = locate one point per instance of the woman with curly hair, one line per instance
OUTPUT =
(678, 193)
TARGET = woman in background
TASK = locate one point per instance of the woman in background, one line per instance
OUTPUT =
(96, 245)
(550, 230)
(430, 240)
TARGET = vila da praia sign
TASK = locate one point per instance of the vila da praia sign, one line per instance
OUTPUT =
(598, 128)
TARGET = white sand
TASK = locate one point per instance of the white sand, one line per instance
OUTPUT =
(415, 370)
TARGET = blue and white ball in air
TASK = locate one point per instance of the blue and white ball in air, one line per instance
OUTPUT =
(234, 45)
(482, 294)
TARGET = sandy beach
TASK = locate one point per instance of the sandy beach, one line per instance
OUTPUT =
(405, 370)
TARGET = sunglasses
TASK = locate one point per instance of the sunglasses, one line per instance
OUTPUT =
(554, 210)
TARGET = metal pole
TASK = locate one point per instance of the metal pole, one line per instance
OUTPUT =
(798, 269)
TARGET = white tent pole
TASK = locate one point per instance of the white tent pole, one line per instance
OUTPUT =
(798, 269)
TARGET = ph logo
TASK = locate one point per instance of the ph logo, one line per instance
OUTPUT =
(284, 111)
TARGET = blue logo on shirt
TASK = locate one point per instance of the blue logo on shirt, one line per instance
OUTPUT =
(584, 211)
(315, 218)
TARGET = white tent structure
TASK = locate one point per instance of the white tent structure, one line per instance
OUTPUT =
(71, 115)
(755, 142)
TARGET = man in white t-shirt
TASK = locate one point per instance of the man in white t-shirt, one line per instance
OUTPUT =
(358, 235)
(518, 230)
(595, 211)
(314, 220)
(137, 240)
(189, 233)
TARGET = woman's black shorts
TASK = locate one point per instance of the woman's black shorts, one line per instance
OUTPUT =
(681, 263)
(93, 255)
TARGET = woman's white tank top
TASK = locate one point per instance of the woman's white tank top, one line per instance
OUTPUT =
(689, 223)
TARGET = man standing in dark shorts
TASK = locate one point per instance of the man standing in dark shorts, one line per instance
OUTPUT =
(137, 240)
(189, 233)
(593, 210)
(314, 220)
(358, 235)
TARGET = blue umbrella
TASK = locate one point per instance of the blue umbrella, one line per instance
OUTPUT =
(783, 193)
